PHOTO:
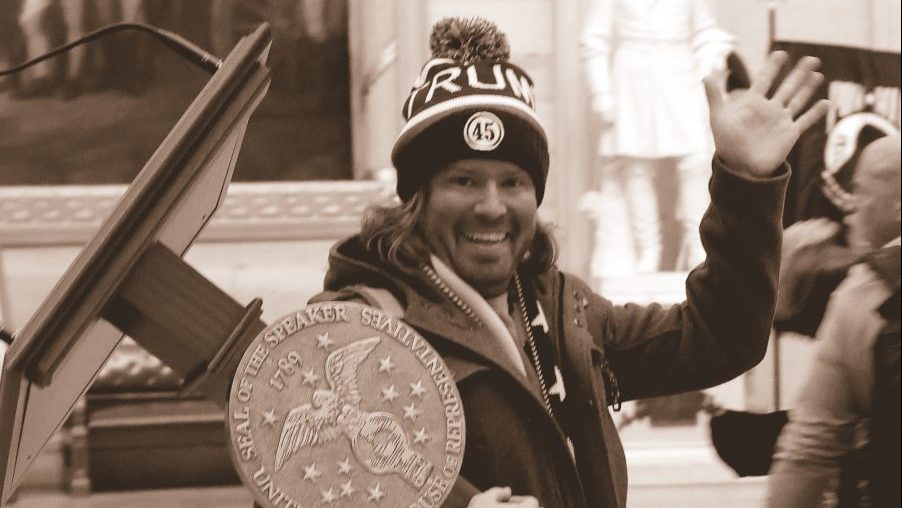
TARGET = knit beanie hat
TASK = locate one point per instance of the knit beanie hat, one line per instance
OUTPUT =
(469, 102)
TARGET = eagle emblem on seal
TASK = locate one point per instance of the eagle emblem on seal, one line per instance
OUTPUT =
(378, 439)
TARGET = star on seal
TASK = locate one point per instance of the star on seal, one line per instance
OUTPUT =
(411, 412)
(269, 417)
(417, 389)
(311, 473)
(344, 467)
(420, 436)
(390, 394)
(376, 493)
(310, 378)
(386, 365)
(324, 341)
(328, 495)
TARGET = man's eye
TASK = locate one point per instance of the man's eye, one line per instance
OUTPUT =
(514, 183)
(463, 181)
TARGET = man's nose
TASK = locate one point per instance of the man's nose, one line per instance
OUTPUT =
(490, 204)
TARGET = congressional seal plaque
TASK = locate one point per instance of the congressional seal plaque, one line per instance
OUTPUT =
(339, 404)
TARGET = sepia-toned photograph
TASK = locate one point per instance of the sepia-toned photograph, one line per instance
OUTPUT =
(450, 253)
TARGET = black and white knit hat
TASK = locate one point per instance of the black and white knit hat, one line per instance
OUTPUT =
(469, 102)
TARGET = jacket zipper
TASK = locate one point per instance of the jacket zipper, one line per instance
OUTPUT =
(531, 342)
(470, 313)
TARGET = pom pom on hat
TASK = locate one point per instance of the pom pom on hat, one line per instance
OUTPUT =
(469, 101)
(469, 41)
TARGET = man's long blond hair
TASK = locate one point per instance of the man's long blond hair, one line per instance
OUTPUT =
(393, 233)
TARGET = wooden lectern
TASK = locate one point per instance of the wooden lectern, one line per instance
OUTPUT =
(131, 279)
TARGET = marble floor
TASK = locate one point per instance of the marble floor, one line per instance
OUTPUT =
(737, 494)
(220, 497)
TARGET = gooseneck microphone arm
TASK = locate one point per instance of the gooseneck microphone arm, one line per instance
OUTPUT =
(185, 48)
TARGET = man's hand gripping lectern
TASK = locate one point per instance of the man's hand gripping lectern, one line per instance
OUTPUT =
(130, 278)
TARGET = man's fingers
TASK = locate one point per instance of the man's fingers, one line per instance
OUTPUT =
(498, 493)
(765, 77)
(524, 502)
(796, 79)
(813, 115)
(804, 93)
(712, 90)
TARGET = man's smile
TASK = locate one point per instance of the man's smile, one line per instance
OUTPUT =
(487, 238)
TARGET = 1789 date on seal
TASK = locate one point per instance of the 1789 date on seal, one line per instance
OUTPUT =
(339, 404)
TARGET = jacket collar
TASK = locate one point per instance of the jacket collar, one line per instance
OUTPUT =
(497, 331)
(426, 308)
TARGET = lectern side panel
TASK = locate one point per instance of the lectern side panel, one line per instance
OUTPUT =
(190, 215)
(209, 189)
(13, 397)
(48, 406)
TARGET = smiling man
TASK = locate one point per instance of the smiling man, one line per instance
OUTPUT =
(536, 355)
(480, 219)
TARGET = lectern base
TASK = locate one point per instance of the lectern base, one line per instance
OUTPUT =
(156, 440)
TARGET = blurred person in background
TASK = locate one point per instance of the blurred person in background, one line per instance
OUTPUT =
(855, 379)
(32, 17)
(818, 252)
(45, 24)
(11, 50)
(815, 258)
(124, 62)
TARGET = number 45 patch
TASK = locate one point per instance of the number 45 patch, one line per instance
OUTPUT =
(483, 131)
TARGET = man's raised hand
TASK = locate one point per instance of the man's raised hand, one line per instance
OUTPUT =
(753, 133)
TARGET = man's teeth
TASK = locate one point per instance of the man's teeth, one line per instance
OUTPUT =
(486, 237)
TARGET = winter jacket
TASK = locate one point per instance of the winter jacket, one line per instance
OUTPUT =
(607, 352)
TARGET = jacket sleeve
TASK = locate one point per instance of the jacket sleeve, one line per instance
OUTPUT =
(722, 328)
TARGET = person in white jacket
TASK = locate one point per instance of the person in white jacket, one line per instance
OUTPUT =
(645, 61)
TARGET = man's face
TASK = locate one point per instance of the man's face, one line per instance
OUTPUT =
(875, 197)
(480, 219)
